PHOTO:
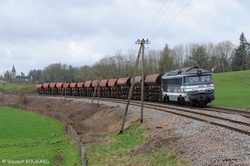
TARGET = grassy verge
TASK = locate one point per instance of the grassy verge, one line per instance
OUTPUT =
(17, 88)
(115, 151)
(17, 85)
(28, 138)
(232, 89)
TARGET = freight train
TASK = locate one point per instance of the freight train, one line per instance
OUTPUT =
(189, 86)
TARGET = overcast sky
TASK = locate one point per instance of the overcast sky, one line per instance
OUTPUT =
(36, 33)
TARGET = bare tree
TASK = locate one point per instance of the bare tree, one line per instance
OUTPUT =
(224, 51)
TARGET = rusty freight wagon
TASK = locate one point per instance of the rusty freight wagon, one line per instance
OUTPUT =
(89, 88)
(67, 89)
(104, 88)
(46, 89)
(53, 89)
(59, 86)
(74, 89)
(137, 87)
(124, 84)
(114, 89)
(40, 89)
(81, 88)
(153, 87)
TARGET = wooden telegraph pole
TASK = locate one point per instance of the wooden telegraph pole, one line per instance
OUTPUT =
(97, 87)
(65, 90)
(141, 50)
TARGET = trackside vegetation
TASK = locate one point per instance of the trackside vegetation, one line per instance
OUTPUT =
(17, 85)
(116, 151)
(232, 89)
(27, 138)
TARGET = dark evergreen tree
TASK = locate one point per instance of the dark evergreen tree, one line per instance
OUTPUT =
(7, 77)
(199, 56)
(241, 57)
(166, 61)
(36, 75)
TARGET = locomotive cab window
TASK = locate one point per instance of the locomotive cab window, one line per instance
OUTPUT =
(173, 82)
(193, 79)
(170, 83)
(197, 79)
(206, 78)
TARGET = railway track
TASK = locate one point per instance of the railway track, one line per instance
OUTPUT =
(200, 114)
(241, 112)
(218, 116)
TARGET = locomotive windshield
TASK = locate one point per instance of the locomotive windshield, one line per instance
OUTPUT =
(206, 78)
(196, 79)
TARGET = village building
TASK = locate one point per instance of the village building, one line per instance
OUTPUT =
(2, 81)
(19, 78)
(13, 72)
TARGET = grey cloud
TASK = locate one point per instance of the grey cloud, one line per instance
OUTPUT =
(32, 30)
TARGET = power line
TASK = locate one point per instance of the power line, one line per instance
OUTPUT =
(162, 22)
(163, 25)
(155, 19)
(171, 9)
(162, 10)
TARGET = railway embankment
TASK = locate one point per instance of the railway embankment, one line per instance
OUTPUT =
(191, 142)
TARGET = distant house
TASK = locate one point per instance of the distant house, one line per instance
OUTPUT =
(23, 79)
(2, 81)
(19, 79)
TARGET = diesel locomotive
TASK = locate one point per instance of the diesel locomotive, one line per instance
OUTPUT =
(190, 86)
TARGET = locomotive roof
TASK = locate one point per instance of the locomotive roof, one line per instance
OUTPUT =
(186, 71)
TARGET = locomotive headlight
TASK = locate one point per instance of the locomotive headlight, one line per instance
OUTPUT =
(194, 90)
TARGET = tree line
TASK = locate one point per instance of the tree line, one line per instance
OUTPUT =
(221, 57)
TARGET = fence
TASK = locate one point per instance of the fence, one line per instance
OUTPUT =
(76, 140)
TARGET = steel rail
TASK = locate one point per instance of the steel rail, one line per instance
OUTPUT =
(163, 107)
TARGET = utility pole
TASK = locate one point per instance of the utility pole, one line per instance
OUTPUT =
(142, 42)
(65, 89)
(97, 87)
(141, 50)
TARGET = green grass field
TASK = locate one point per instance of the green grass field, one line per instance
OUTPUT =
(116, 151)
(20, 85)
(232, 89)
(29, 139)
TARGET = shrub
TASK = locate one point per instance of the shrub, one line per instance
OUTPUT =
(22, 96)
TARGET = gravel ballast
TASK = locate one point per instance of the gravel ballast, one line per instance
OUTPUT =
(196, 142)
